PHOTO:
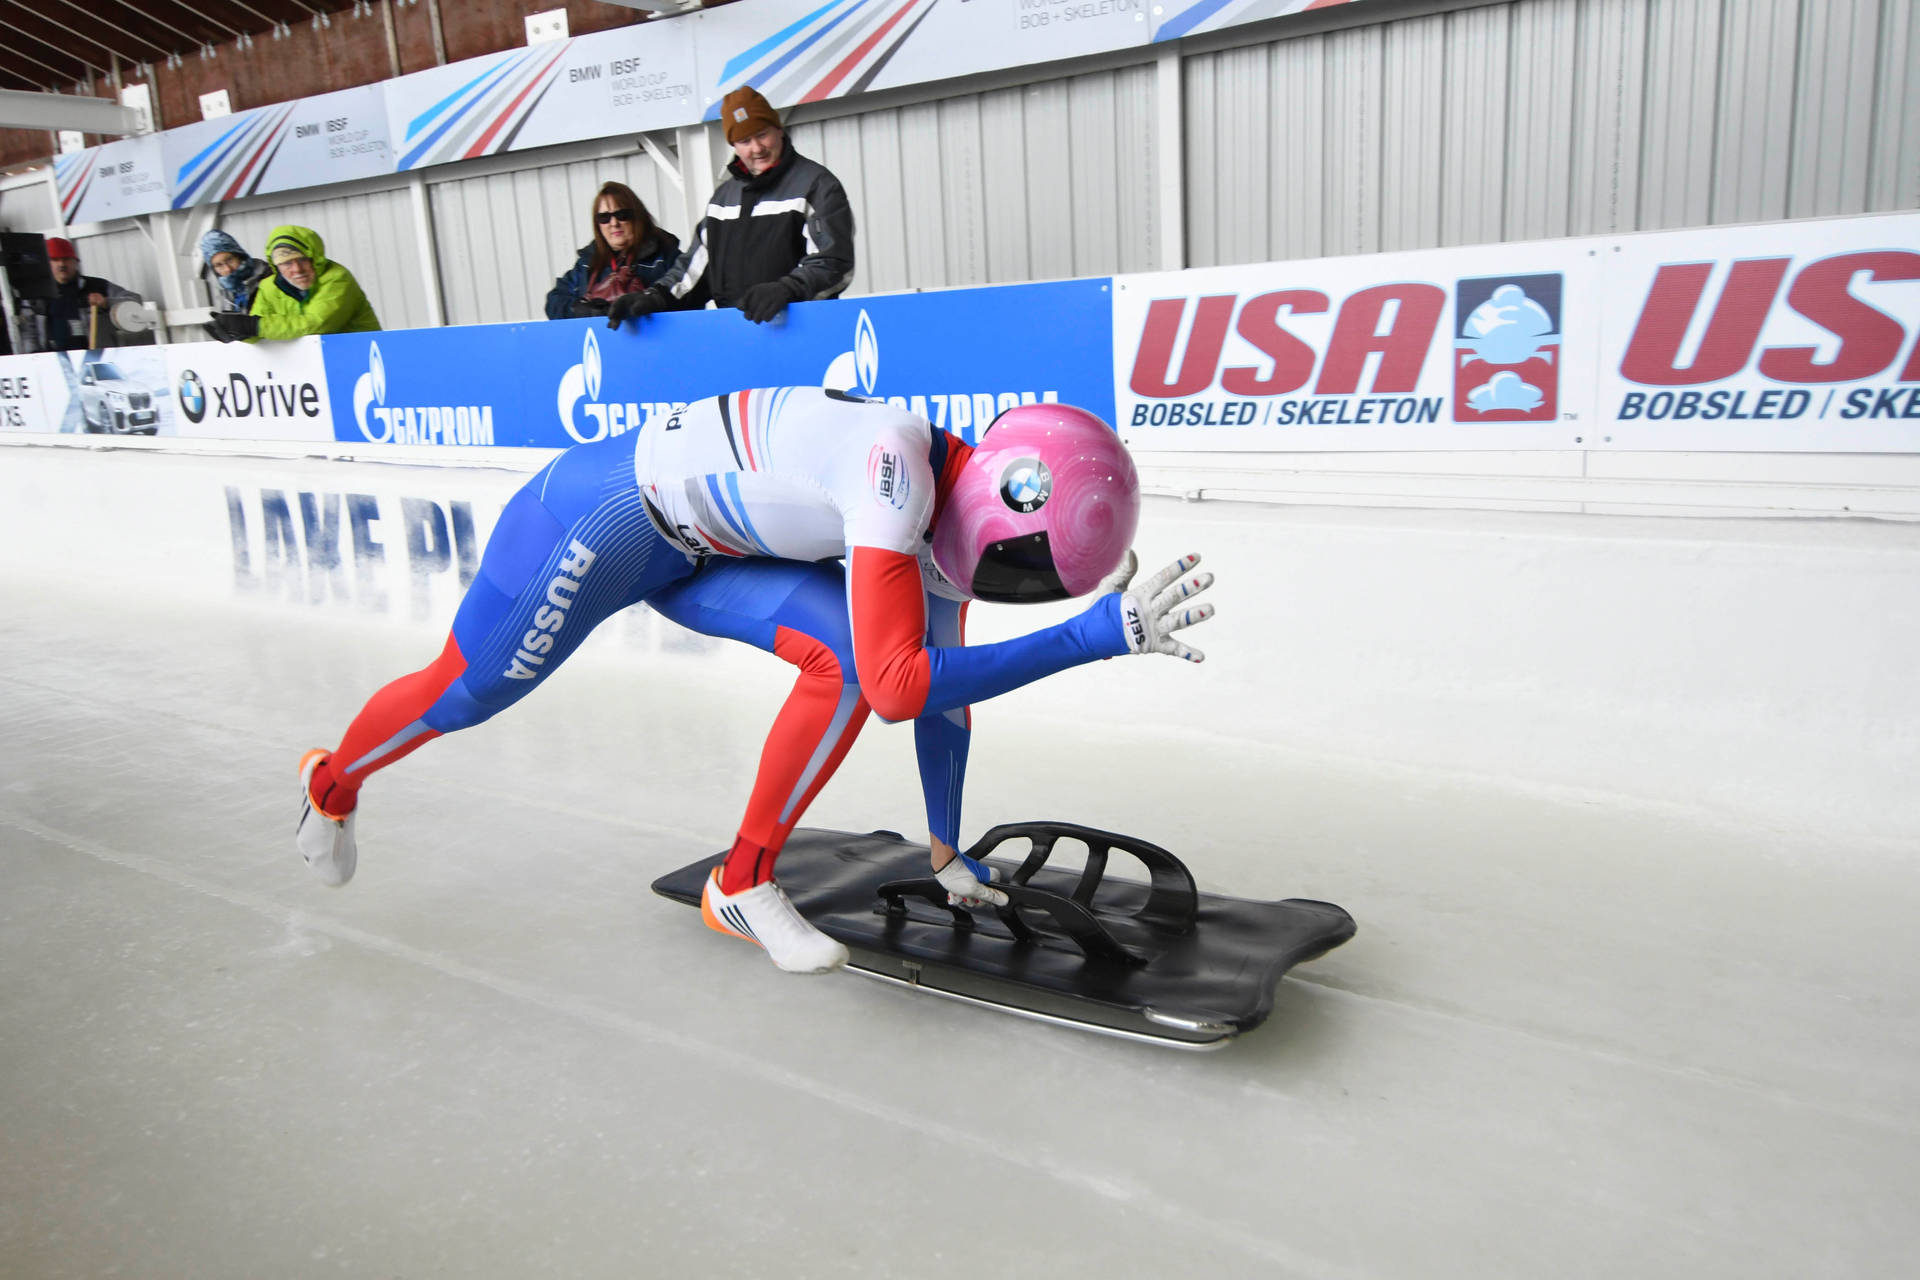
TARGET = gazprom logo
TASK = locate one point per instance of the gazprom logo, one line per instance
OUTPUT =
(413, 424)
(857, 371)
(370, 388)
(581, 383)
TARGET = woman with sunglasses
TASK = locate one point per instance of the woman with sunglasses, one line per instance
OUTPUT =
(628, 253)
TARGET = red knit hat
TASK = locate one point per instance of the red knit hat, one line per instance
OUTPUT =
(60, 247)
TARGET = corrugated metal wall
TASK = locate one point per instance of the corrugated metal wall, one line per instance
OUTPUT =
(1034, 182)
(371, 234)
(124, 256)
(27, 207)
(1545, 118)
(504, 237)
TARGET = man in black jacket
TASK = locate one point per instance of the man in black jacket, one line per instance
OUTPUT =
(778, 229)
(75, 317)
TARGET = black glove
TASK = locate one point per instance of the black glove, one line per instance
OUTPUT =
(631, 306)
(231, 326)
(765, 301)
(589, 307)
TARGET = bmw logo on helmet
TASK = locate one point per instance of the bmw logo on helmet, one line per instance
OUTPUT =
(1026, 484)
(193, 396)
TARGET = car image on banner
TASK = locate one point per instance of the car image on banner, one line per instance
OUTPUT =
(123, 395)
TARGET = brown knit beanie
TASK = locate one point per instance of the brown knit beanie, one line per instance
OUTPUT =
(746, 113)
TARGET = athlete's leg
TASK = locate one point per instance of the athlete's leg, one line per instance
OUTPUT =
(797, 612)
(572, 547)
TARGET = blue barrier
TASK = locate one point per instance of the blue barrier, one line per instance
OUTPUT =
(957, 357)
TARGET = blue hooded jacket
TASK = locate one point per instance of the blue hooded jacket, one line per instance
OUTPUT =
(236, 288)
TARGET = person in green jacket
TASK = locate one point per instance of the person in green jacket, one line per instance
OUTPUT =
(309, 293)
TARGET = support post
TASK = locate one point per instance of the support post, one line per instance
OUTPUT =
(426, 252)
(1170, 154)
(696, 172)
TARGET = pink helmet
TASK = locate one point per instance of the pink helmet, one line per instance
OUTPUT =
(1043, 510)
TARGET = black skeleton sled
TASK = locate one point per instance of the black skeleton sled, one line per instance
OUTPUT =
(1157, 961)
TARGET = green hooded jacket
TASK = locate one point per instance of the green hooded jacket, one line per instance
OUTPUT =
(335, 303)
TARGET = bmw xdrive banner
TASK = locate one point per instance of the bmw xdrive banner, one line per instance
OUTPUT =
(958, 358)
(249, 391)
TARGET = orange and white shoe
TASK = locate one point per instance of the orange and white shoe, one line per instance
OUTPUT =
(763, 916)
(326, 842)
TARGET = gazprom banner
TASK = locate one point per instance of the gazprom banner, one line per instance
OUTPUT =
(1791, 336)
(957, 357)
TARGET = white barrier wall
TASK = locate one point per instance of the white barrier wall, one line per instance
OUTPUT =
(1757, 670)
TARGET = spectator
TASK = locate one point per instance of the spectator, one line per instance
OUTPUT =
(237, 273)
(75, 317)
(778, 229)
(628, 253)
(307, 294)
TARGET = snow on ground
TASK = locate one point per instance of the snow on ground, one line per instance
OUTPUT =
(1574, 1036)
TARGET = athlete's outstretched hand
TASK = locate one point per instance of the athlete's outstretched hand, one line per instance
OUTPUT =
(1151, 612)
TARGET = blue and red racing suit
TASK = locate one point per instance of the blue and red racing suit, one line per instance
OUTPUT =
(731, 519)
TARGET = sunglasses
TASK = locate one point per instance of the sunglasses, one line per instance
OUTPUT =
(609, 215)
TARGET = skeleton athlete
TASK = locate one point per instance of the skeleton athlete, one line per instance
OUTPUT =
(731, 519)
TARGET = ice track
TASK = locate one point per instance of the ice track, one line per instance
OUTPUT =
(1572, 1039)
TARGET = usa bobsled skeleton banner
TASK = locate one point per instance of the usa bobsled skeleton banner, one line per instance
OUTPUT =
(1792, 336)
(1485, 348)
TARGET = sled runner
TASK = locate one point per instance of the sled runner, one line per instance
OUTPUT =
(1157, 961)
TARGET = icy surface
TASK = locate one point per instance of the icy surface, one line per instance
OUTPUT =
(1571, 1039)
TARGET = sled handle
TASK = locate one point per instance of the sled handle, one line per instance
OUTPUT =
(1172, 898)
(1070, 917)
(895, 893)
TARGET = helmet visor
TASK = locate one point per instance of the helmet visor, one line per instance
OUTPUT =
(1018, 571)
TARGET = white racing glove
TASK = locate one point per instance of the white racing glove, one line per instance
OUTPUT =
(964, 888)
(1148, 612)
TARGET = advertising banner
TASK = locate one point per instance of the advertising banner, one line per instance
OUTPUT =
(33, 393)
(119, 180)
(1783, 337)
(118, 391)
(309, 142)
(957, 357)
(627, 80)
(798, 51)
(1176, 18)
(249, 391)
(1481, 348)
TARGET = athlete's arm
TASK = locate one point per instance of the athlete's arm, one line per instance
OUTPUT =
(941, 738)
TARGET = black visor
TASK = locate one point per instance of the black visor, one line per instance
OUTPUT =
(1018, 571)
